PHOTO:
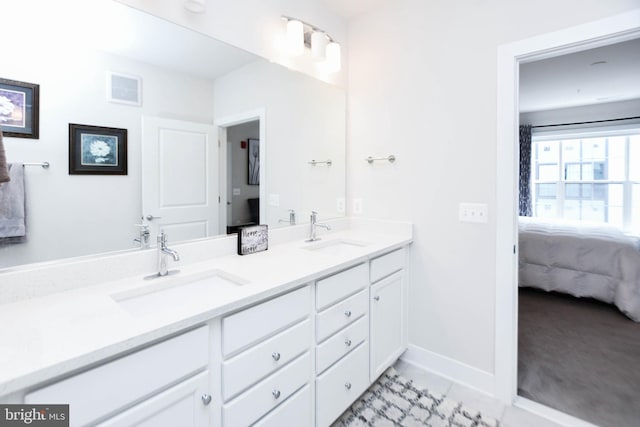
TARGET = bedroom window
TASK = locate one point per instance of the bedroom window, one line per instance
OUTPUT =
(588, 176)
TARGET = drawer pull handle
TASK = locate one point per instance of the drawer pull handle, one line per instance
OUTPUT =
(347, 342)
(206, 398)
(347, 386)
(347, 313)
(376, 298)
(276, 393)
(276, 356)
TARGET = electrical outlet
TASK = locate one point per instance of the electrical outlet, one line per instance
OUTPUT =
(357, 206)
(274, 200)
(340, 204)
(474, 212)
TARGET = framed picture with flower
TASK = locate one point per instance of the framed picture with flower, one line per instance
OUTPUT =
(97, 150)
(19, 108)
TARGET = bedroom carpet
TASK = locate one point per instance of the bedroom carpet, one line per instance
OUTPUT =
(579, 356)
(396, 401)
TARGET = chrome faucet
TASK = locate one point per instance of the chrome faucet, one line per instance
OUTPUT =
(313, 224)
(163, 251)
(144, 238)
(292, 218)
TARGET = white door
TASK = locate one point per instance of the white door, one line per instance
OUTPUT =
(179, 178)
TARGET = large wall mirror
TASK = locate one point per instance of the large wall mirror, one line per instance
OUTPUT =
(214, 132)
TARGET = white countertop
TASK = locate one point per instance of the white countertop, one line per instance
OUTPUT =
(54, 334)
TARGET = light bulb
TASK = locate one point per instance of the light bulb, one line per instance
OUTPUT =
(333, 62)
(295, 37)
(319, 42)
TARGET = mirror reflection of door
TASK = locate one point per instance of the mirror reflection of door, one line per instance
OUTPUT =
(243, 185)
(179, 178)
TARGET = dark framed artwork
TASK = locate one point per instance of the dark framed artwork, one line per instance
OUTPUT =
(19, 109)
(254, 161)
(97, 150)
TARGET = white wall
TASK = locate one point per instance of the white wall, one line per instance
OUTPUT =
(422, 86)
(240, 213)
(304, 120)
(72, 215)
(257, 26)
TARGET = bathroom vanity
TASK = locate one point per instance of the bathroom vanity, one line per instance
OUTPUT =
(290, 336)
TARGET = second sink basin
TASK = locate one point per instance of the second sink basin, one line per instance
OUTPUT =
(164, 293)
(338, 247)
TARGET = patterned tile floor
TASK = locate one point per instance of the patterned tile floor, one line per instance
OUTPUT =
(509, 416)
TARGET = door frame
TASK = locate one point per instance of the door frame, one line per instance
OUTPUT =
(614, 29)
(220, 126)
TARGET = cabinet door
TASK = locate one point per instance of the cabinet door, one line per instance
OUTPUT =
(388, 323)
(185, 405)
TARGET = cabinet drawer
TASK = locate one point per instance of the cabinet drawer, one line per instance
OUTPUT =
(342, 314)
(269, 393)
(181, 405)
(296, 411)
(107, 388)
(334, 288)
(341, 385)
(253, 324)
(387, 264)
(257, 362)
(341, 343)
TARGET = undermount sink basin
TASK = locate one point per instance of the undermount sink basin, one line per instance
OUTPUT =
(163, 293)
(336, 246)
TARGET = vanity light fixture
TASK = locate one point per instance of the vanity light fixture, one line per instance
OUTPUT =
(295, 37)
(195, 6)
(323, 47)
(319, 41)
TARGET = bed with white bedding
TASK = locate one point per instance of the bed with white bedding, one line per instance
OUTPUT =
(581, 259)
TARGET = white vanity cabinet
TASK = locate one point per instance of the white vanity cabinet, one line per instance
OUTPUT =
(154, 386)
(267, 362)
(342, 337)
(388, 312)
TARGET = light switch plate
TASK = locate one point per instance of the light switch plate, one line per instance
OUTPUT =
(274, 200)
(474, 212)
(357, 206)
(340, 204)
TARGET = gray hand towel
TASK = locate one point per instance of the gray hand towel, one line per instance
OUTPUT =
(12, 206)
(4, 169)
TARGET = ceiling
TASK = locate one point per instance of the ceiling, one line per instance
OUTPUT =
(351, 8)
(605, 74)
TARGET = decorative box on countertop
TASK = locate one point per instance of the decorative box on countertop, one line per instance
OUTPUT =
(253, 239)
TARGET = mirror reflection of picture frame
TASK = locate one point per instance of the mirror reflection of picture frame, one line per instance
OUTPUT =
(254, 161)
(19, 109)
(97, 150)
(124, 88)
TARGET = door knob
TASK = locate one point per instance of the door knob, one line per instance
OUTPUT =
(376, 298)
(151, 217)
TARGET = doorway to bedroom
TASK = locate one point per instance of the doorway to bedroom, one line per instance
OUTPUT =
(243, 175)
(578, 337)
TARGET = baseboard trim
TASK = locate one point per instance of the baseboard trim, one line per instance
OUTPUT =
(550, 413)
(450, 369)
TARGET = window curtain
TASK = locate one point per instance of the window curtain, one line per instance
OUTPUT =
(525, 171)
